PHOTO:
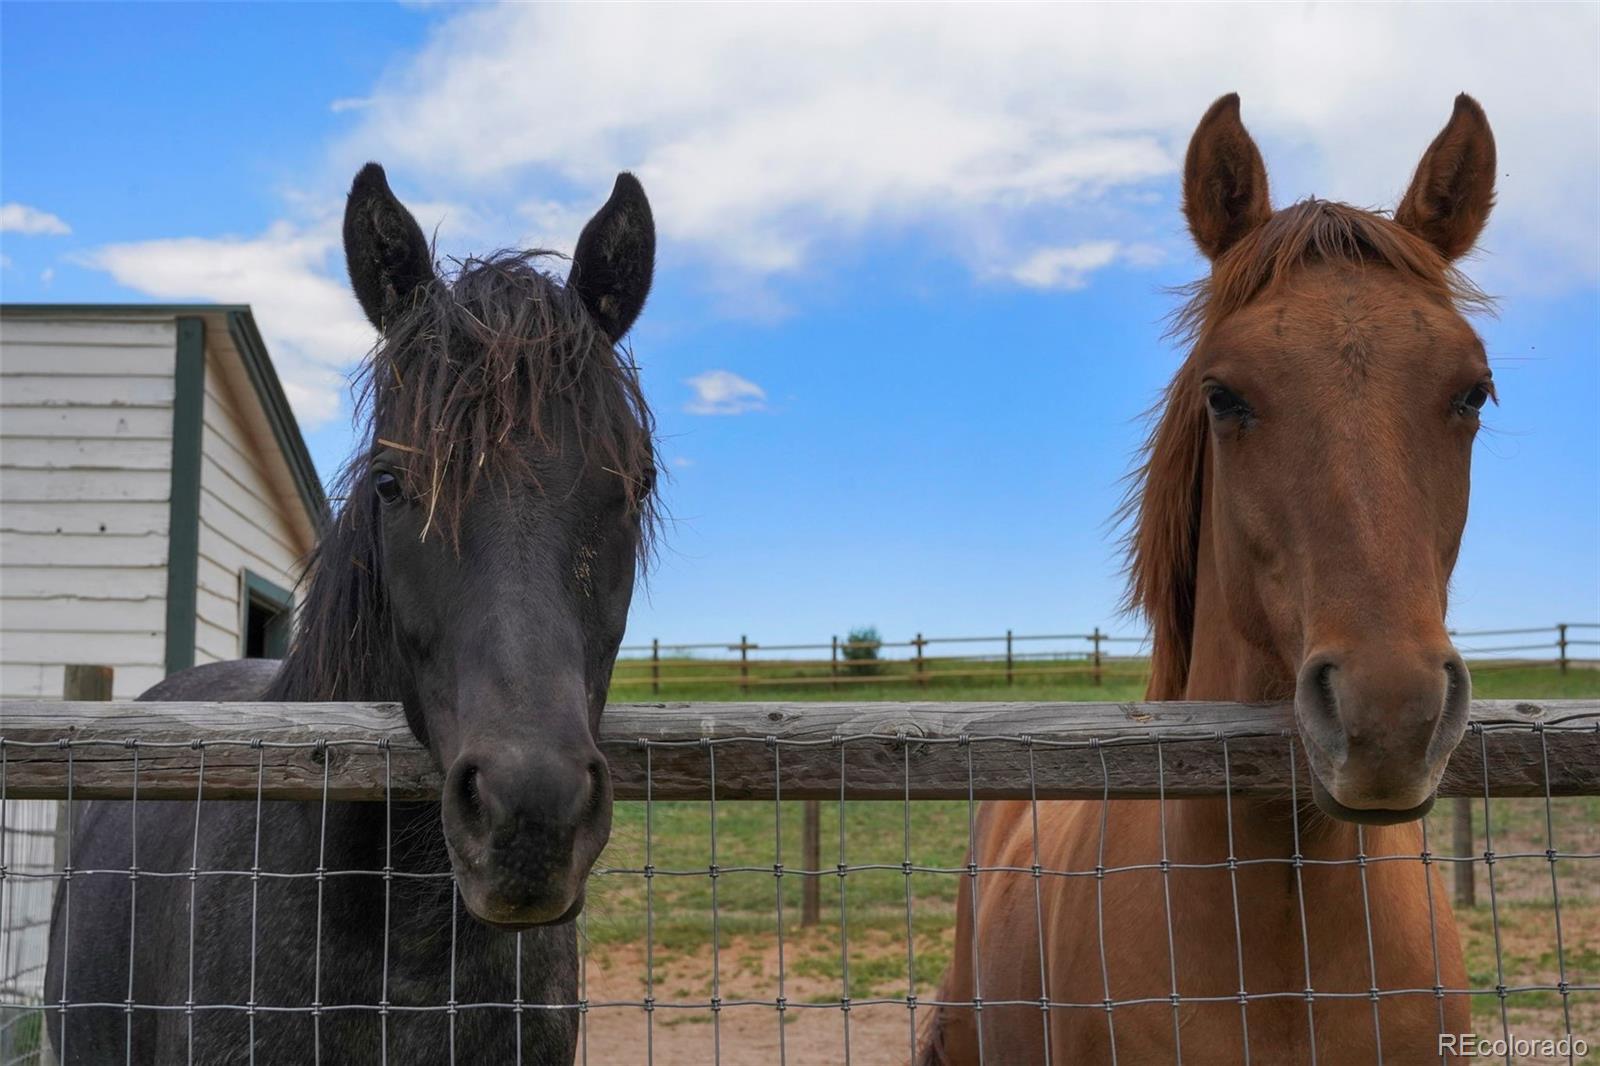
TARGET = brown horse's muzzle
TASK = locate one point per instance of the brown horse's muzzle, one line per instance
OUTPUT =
(524, 827)
(1379, 726)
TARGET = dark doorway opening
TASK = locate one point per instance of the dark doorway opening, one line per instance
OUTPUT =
(268, 615)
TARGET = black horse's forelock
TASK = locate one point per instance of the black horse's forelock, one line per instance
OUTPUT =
(471, 380)
(491, 355)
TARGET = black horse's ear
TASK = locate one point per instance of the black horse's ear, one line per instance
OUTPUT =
(1453, 190)
(616, 258)
(1224, 180)
(384, 248)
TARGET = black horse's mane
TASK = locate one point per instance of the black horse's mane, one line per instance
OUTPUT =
(474, 377)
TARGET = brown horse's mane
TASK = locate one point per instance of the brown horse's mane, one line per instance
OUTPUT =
(1162, 506)
(464, 375)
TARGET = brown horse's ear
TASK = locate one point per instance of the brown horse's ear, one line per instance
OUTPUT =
(1453, 191)
(1224, 180)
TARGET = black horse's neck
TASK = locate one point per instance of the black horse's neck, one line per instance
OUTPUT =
(343, 650)
(343, 646)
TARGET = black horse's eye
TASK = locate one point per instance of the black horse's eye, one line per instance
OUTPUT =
(387, 486)
(1224, 402)
(1474, 398)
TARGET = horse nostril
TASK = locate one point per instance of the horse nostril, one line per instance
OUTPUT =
(1451, 720)
(595, 784)
(1455, 679)
(1317, 708)
(469, 792)
(1324, 681)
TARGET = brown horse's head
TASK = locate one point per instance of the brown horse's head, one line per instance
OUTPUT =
(1327, 412)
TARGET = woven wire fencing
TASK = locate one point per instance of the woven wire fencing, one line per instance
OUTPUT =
(28, 855)
(691, 946)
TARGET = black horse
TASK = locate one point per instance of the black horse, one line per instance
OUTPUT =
(478, 572)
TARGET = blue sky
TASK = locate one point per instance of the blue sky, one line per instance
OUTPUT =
(913, 261)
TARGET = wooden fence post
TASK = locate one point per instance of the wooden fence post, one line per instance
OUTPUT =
(79, 682)
(86, 682)
(811, 901)
(744, 663)
(1461, 824)
(1561, 642)
(1008, 656)
(833, 666)
(922, 678)
(655, 666)
(1096, 638)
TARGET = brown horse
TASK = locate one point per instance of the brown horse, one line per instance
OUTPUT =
(1295, 524)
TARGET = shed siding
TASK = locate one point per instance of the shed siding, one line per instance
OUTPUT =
(85, 460)
(243, 525)
(86, 482)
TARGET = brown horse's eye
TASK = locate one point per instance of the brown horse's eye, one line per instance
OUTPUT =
(387, 486)
(1474, 398)
(1224, 402)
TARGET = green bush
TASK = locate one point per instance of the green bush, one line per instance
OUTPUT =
(860, 650)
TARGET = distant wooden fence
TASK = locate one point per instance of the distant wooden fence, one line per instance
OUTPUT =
(999, 659)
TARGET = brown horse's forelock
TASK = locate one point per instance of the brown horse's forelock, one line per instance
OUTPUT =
(465, 375)
(1161, 509)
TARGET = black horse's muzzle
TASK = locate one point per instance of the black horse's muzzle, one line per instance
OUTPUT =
(524, 825)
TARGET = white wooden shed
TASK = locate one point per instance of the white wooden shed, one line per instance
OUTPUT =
(157, 501)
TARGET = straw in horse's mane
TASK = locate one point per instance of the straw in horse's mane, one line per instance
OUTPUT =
(1162, 506)
(473, 379)
(474, 361)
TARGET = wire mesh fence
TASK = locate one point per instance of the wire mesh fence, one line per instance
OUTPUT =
(690, 950)
(28, 855)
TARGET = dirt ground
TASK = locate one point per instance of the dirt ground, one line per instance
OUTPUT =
(1513, 943)
(812, 1030)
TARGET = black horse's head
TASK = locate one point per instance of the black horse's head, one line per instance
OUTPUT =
(492, 529)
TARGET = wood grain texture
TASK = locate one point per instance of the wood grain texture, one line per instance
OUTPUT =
(889, 750)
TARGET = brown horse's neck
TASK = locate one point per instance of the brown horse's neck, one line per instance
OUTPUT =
(1224, 663)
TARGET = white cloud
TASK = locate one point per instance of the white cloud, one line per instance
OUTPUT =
(20, 218)
(349, 103)
(553, 225)
(762, 133)
(722, 392)
(5, 262)
(293, 277)
(1067, 267)
(682, 462)
(46, 276)
(311, 322)
(1024, 141)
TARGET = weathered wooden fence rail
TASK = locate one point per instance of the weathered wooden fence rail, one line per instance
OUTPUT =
(363, 751)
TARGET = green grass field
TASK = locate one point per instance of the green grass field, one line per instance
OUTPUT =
(714, 680)
(889, 679)
(872, 903)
